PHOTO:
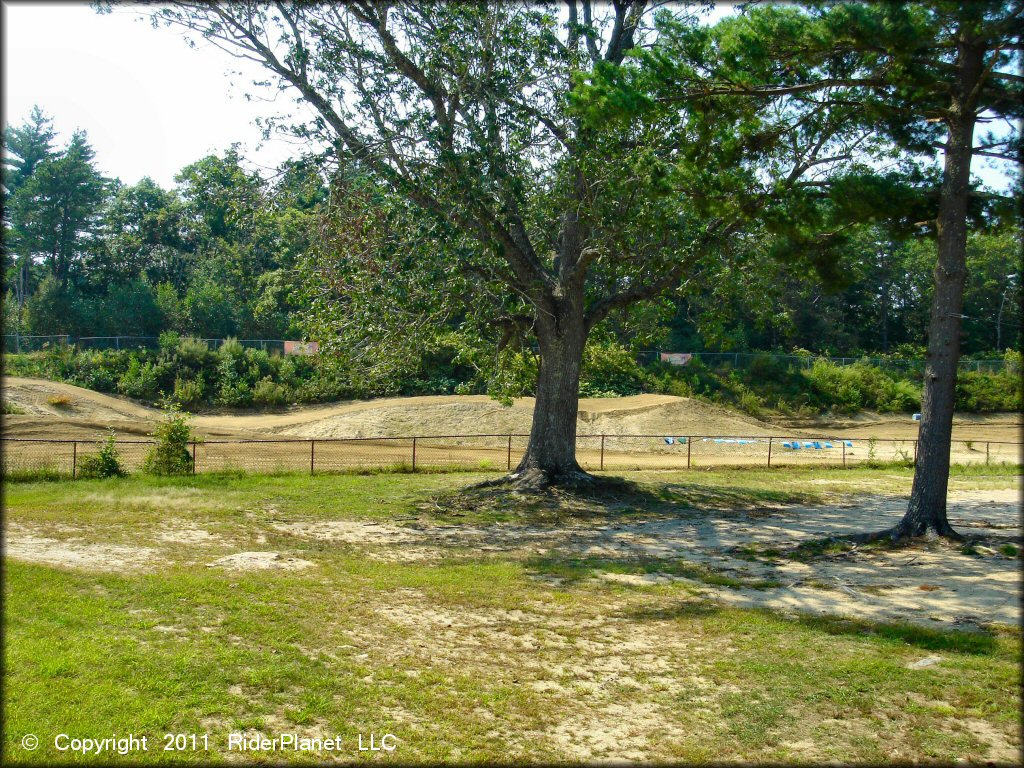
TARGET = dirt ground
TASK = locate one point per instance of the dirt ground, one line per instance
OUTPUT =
(606, 656)
(935, 584)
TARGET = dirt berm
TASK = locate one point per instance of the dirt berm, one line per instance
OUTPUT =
(62, 411)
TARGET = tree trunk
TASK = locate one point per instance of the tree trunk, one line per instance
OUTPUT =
(885, 313)
(927, 509)
(550, 457)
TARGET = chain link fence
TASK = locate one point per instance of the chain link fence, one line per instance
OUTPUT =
(743, 360)
(498, 453)
(14, 343)
(715, 360)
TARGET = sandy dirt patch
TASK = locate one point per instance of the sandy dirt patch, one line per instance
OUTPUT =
(375, 540)
(187, 533)
(614, 654)
(260, 561)
(20, 544)
(1001, 750)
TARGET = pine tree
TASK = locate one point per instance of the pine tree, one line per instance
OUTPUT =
(25, 147)
(55, 213)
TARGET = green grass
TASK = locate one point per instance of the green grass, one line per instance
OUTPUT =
(470, 657)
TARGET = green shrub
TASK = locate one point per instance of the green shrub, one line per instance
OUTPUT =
(259, 365)
(170, 455)
(840, 390)
(98, 379)
(189, 392)
(982, 391)
(850, 388)
(322, 390)
(903, 396)
(1012, 358)
(140, 381)
(233, 390)
(751, 404)
(105, 463)
(231, 348)
(193, 354)
(267, 393)
(766, 367)
(168, 342)
(609, 370)
(435, 385)
(236, 377)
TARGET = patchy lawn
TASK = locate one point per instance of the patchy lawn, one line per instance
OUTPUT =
(359, 605)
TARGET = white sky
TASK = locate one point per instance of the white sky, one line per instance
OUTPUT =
(149, 103)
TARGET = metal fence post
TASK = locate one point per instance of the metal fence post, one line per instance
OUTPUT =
(689, 444)
(193, 457)
(74, 459)
(843, 443)
(769, 451)
(414, 454)
(602, 453)
(510, 453)
(312, 448)
(987, 444)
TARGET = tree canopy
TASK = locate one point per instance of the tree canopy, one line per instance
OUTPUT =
(534, 203)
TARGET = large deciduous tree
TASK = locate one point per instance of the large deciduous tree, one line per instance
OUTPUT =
(475, 162)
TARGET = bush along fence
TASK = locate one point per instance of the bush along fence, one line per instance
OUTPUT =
(744, 360)
(14, 343)
(64, 458)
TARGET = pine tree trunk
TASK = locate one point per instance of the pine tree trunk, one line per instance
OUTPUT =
(927, 509)
(550, 457)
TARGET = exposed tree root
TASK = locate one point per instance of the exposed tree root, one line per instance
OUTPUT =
(901, 534)
(541, 496)
(536, 480)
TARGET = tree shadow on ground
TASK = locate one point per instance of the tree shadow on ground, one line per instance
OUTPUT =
(979, 641)
(843, 546)
(693, 608)
(605, 498)
(571, 570)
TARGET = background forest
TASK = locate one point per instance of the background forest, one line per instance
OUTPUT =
(228, 252)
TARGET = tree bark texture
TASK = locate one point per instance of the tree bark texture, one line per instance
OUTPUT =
(550, 456)
(926, 511)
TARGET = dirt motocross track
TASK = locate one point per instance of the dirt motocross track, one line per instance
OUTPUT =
(55, 411)
(88, 413)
